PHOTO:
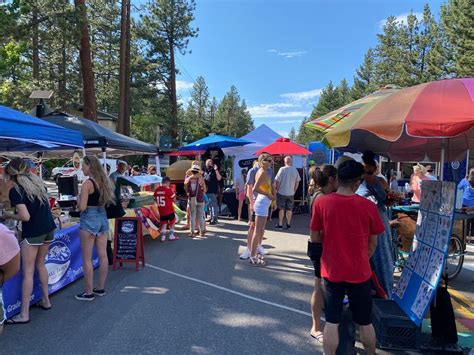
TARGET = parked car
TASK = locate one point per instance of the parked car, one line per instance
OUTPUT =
(70, 169)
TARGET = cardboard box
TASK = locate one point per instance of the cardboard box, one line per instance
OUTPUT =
(4, 191)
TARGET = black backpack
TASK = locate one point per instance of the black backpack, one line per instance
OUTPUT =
(443, 322)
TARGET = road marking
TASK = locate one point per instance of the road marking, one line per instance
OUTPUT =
(278, 305)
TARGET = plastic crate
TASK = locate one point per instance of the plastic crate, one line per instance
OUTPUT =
(393, 328)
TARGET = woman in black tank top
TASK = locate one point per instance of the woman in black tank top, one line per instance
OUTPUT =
(96, 193)
(93, 198)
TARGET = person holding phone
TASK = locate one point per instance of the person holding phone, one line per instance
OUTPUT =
(212, 178)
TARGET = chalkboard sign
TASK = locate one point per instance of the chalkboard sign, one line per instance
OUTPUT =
(128, 241)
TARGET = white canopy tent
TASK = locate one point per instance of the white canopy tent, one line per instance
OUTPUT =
(262, 136)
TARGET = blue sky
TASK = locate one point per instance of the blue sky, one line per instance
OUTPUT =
(279, 54)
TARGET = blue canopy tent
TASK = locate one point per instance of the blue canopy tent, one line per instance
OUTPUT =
(216, 141)
(20, 132)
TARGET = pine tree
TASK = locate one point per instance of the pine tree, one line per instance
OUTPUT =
(408, 42)
(292, 134)
(388, 53)
(432, 61)
(364, 81)
(198, 108)
(166, 28)
(232, 117)
(457, 19)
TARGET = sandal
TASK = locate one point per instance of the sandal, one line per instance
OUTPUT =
(318, 336)
(41, 305)
(191, 235)
(13, 321)
(256, 261)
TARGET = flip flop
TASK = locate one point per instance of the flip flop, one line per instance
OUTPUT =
(40, 305)
(12, 321)
(318, 336)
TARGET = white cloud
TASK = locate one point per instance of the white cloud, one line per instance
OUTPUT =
(302, 95)
(293, 54)
(288, 55)
(276, 110)
(402, 18)
(183, 85)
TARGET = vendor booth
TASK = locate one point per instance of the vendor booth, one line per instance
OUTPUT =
(23, 133)
(245, 156)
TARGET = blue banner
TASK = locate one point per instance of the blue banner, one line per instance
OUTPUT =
(64, 264)
(420, 276)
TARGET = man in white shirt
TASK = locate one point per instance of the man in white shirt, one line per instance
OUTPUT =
(287, 182)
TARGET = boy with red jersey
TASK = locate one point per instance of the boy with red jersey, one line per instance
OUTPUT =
(164, 198)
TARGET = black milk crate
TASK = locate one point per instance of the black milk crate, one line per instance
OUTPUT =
(393, 328)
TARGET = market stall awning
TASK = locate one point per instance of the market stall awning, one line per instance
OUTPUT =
(283, 146)
(215, 141)
(20, 132)
(97, 136)
(416, 123)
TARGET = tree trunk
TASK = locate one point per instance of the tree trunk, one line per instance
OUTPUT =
(173, 99)
(63, 80)
(36, 60)
(122, 71)
(126, 124)
(124, 76)
(90, 106)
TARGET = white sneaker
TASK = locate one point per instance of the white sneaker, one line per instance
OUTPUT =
(261, 251)
(163, 238)
(246, 254)
(173, 237)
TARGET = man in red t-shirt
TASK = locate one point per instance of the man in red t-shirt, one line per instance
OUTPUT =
(164, 198)
(347, 225)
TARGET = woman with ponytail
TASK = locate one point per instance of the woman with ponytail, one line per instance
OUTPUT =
(324, 181)
(29, 197)
(96, 192)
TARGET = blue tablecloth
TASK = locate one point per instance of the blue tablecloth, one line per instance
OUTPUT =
(64, 264)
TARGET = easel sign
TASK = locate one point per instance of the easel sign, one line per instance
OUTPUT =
(128, 242)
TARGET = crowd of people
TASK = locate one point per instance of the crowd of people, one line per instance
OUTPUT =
(347, 208)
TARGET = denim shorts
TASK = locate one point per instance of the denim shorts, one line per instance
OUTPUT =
(94, 221)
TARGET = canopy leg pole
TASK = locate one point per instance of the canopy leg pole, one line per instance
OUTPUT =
(399, 170)
(333, 156)
(304, 180)
(104, 156)
(441, 168)
(467, 162)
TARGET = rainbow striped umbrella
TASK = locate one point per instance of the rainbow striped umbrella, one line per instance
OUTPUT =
(421, 122)
(351, 111)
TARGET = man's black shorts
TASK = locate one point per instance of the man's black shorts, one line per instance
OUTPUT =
(360, 301)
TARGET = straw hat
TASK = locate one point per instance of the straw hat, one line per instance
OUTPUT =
(196, 168)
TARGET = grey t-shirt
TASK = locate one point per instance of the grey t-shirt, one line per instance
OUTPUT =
(287, 178)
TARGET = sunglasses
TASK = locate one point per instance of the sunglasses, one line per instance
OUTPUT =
(268, 160)
(369, 173)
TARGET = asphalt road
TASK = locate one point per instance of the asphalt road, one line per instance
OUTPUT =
(194, 296)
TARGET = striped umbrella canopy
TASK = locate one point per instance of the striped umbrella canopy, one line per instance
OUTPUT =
(429, 121)
(350, 111)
